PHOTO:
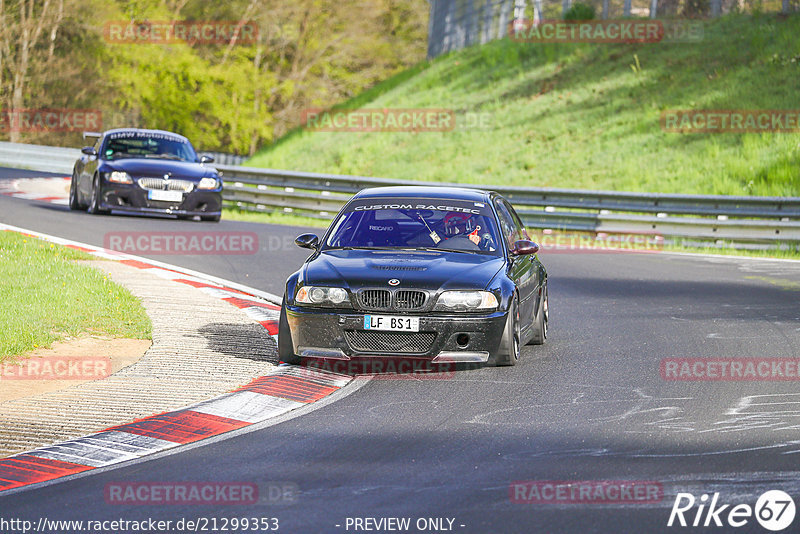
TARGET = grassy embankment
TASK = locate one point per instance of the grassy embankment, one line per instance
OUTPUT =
(580, 116)
(47, 296)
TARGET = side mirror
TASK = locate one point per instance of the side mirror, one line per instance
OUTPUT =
(89, 151)
(206, 159)
(307, 241)
(523, 247)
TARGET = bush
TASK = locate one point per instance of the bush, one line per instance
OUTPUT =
(580, 11)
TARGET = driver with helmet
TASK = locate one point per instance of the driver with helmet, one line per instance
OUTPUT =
(459, 225)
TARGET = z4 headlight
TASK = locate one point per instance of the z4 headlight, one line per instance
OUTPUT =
(119, 177)
(466, 301)
(322, 296)
(207, 183)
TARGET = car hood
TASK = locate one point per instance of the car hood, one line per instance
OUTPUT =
(160, 167)
(432, 270)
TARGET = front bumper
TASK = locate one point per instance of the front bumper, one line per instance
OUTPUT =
(133, 198)
(340, 335)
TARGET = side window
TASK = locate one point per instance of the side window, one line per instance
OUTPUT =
(522, 233)
(506, 222)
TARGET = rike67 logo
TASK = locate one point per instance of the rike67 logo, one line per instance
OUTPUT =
(774, 511)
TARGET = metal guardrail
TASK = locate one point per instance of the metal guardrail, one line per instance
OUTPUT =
(710, 217)
(38, 157)
(704, 217)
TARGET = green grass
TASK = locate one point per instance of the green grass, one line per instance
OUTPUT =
(578, 116)
(273, 217)
(46, 295)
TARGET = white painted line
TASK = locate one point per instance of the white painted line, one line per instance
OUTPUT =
(247, 406)
(125, 441)
(261, 314)
(81, 453)
(321, 377)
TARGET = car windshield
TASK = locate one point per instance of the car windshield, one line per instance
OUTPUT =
(148, 145)
(417, 224)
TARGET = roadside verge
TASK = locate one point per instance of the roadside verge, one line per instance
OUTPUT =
(202, 347)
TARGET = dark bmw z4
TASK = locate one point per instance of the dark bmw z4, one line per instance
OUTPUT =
(145, 171)
(439, 274)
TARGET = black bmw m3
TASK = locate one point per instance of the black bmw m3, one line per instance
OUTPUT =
(145, 171)
(433, 273)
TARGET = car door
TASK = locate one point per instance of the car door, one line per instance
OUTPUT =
(522, 269)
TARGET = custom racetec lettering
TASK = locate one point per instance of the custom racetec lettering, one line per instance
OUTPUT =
(474, 208)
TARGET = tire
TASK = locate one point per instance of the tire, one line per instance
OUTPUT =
(94, 203)
(540, 325)
(285, 345)
(210, 218)
(510, 345)
(73, 194)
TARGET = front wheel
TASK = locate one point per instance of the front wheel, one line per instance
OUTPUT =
(94, 205)
(73, 193)
(285, 345)
(210, 218)
(509, 347)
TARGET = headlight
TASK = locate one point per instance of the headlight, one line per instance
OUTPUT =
(207, 183)
(119, 177)
(466, 301)
(322, 296)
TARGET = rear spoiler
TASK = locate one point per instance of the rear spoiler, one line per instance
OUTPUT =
(93, 135)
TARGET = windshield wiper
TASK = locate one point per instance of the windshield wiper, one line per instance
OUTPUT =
(358, 248)
(434, 249)
(164, 156)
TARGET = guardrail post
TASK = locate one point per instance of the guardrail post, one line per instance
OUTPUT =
(502, 23)
(488, 16)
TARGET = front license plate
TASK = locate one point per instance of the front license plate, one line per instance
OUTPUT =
(166, 196)
(389, 322)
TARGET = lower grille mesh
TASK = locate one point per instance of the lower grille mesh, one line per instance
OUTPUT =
(390, 342)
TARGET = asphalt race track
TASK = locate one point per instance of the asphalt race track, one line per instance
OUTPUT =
(589, 405)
